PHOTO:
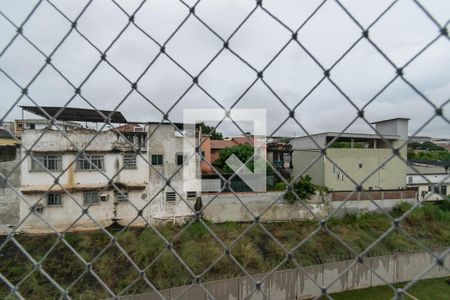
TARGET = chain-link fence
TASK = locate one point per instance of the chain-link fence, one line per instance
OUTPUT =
(96, 206)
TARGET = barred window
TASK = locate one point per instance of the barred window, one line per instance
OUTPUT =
(54, 199)
(92, 197)
(171, 197)
(129, 161)
(91, 162)
(444, 190)
(157, 159)
(121, 196)
(43, 162)
(179, 158)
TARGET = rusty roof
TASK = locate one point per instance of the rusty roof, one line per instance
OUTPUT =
(75, 114)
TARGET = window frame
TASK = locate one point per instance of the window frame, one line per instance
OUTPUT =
(443, 188)
(86, 163)
(121, 199)
(91, 193)
(45, 160)
(126, 158)
(54, 200)
(177, 156)
(156, 162)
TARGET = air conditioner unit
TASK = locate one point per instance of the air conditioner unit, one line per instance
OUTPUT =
(104, 197)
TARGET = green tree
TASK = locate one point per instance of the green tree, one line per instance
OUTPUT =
(242, 151)
(303, 187)
(429, 155)
(209, 130)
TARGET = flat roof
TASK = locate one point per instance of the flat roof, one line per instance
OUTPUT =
(392, 119)
(76, 114)
(353, 135)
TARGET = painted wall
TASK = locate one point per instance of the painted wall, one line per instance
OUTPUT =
(391, 176)
(306, 282)
(302, 159)
(330, 171)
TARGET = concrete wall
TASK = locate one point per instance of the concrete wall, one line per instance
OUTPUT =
(225, 207)
(302, 159)
(391, 176)
(9, 200)
(306, 282)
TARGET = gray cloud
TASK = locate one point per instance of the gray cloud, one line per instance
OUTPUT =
(401, 33)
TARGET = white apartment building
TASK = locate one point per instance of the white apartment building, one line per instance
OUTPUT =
(121, 178)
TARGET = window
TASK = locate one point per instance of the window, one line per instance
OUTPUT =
(410, 179)
(360, 166)
(91, 162)
(191, 194)
(121, 197)
(429, 188)
(54, 199)
(157, 159)
(171, 197)
(43, 162)
(444, 190)
(129, 161)
(179, 158)
(91, 198)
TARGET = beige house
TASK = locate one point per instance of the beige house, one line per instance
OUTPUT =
(430, 178)
(354, 157)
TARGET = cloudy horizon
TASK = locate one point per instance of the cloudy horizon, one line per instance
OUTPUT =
(286, 82)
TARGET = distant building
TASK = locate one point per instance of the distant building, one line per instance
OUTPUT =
(364, 155)
(211, 149)
(279, 153)
(430, 178)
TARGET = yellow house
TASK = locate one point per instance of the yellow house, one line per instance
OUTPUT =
(355, 158)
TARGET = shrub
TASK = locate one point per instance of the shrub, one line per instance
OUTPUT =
(400, 209)
(304, 188)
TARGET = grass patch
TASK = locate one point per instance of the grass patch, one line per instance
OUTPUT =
(257, 252)
(428, 289)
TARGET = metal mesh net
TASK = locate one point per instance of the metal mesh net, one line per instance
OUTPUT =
(104, 32)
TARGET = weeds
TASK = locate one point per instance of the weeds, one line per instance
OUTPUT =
(256, 251)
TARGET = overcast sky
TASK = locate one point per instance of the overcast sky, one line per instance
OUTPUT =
(400, 34)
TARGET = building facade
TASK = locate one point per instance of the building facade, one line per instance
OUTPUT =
(121, 177)
(354, 158)
(430, 178)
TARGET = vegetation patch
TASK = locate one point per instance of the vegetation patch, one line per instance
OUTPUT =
(195, 247)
